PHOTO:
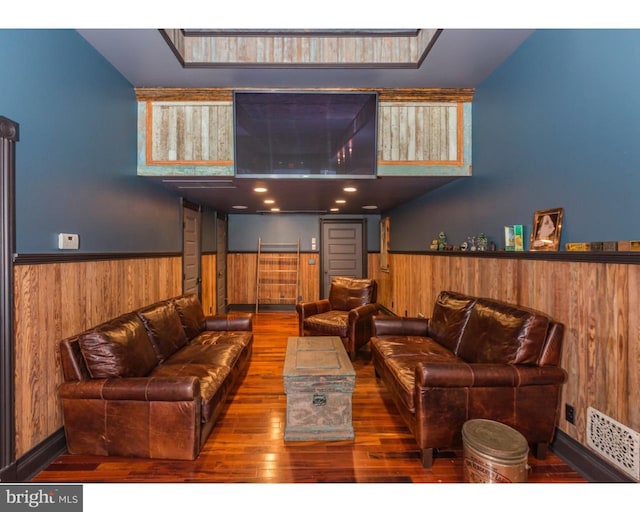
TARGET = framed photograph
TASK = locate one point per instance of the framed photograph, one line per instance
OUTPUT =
(547, 226)
(509, 239)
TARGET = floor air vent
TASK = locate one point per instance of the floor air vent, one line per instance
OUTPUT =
(616, 442)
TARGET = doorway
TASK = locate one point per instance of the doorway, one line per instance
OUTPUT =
(191, 218)
(342, 251)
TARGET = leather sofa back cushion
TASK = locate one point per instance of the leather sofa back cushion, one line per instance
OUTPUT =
(450, 315)
(191, 314)
(347, 293)
(164, 328)
(118, 348)
(499, 333)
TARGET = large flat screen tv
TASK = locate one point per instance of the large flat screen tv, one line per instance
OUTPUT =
(305, 134)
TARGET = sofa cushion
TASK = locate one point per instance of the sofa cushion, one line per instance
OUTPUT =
(164, 328)
(329, 323)
(391, 346)
(347, 293)
(118, 348)
(500, 333)
(240, 338)
(450, 315)
(223, 354)
(191, 314)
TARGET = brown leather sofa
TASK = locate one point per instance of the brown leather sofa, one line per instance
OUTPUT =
(346, 313)
(152, 382)
(474, 358)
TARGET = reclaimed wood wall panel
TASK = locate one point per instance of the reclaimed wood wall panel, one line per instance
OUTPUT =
(597, 302)
(421, 132)
(56, 300)
(328, 49)
(418, 132)
(193, 133)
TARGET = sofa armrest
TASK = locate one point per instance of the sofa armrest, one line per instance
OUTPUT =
(401, 326)
(229, 322)
(146, 389)
(364, 312)
(306, 309)
(452, 375)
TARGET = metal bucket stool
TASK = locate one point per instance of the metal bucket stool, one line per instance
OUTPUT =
(493, 453)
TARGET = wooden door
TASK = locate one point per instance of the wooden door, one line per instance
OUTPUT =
(342, 251)
(191, 248)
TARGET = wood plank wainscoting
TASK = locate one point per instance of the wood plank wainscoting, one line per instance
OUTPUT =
(58, 296)
(595, 296)
(241, 276)
(208, 267)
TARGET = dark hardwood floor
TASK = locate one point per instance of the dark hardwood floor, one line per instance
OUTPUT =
(247, 446)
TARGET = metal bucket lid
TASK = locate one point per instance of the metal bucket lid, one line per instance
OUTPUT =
(494, 439)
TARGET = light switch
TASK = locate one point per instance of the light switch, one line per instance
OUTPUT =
(68, 241)
(313, 244)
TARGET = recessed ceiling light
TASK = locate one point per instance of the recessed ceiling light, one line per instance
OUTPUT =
(349, 189)
(334, 209)
(260, 189)
(370, 207)
(275, 209)
(269, 201)
(239, 207)
(340, 201)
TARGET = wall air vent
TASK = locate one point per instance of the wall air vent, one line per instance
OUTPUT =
(616, 442)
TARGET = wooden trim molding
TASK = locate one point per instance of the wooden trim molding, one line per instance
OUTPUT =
(623, 258)
(584, 461)
(9, 135)
(36, 259)
(226, 94)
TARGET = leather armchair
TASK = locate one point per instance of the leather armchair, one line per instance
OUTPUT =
(346, 313)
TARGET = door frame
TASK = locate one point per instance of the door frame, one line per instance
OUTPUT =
(9, 135)
(221, 262)
(365, 252)
(197, 208)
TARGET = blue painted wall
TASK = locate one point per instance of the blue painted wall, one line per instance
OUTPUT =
(244, 230)
(557, 125)
(76, 158)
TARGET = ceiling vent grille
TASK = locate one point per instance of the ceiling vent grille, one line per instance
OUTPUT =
(616, 442)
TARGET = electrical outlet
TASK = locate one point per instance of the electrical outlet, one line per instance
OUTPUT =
(570, 413)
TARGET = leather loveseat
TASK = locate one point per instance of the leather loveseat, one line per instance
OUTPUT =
(473, 358)
(346, 313)
(152, 382)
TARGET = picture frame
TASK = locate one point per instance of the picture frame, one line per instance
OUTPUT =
(509, 239)
(546, 230)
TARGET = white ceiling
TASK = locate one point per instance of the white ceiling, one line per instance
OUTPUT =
(460, 58)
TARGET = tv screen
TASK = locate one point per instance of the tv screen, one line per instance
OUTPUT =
(305, 134)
